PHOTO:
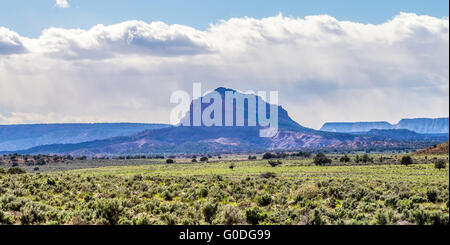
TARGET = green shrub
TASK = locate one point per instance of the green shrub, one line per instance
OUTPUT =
(209, 212)
(109, 210)
(406, 160)
(33, 212)
(440, 164)
(203, 192)
(167, 196)
(316, 218)
(5, 219)
(15, 170)
(2, 171)
(320, 159)
(432, 195)
(264, 200)
(254, 215)
(170, 160)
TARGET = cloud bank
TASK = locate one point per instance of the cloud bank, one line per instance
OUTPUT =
(324, 69)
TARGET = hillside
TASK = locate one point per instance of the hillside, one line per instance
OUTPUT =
(441, 149)
(19, 137)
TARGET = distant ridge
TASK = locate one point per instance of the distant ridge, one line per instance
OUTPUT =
(418, 125)
(24, 136)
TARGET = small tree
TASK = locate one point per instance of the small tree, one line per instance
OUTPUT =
(232, 166)
(366, 158)
(170, 160)
(406, 160)
(439, 164)
(344, 159)
(203, 159)
(320, 159)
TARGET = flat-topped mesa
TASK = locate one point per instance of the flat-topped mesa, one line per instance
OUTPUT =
(418, 125)
(237, 109)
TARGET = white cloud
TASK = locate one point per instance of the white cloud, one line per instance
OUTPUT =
(62, 4)
(10, 42)
(324, 69)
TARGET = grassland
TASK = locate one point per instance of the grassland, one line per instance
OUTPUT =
(252, 192)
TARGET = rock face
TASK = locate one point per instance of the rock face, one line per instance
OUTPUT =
(238, 139)
(418, 125)
(424, 125)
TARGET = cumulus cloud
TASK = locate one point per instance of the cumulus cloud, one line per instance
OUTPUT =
(62, 4)
(10, 42)
(131, 37)
(324, 69)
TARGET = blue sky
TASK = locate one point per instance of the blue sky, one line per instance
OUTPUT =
(29, 18)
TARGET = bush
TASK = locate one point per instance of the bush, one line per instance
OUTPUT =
(268, 175)
(108, 210)
(251, 157)
(275, 163)
(320, 159)
(269, 155)
(406, 160)
(203, 159)
(4, 219)
(32, 212)
(365, 158)
(15, 170)
(344, 159)
(203, 192)
(432, 195)
(232, 215)
(254, 215)
(209, 212)
(264, 200)
(316, 218)
(440, 164)
(170, 160)
(2, 171)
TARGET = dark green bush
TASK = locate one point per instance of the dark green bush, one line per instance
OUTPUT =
(264, 200)
(15, 170)
(406, 160)
(254, 215)
(320, 159)
(209, 212)
(440, 164)
(432, 195)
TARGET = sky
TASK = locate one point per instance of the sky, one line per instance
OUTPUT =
(119, 61)
(29, 18)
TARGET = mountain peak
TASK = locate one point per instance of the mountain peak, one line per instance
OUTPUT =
(222, 90)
